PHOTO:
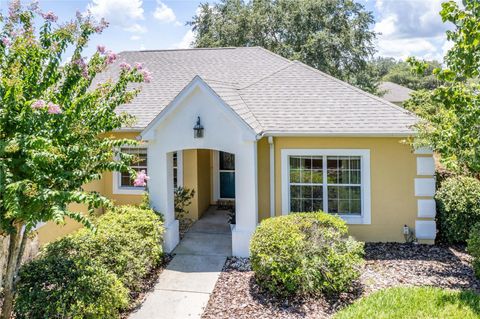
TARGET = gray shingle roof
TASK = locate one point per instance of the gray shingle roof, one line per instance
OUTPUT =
(394, 92)
(272, 94)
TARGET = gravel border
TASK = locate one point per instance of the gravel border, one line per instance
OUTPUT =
(236, 294)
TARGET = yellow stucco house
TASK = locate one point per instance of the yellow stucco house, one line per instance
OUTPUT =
(276, 136)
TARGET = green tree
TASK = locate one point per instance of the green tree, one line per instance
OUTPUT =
(333, 36)
(52, 118)
(390, 70)
(453, 129)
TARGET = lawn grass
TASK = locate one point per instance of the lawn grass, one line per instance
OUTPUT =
(410, 302)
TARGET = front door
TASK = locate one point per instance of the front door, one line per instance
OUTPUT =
(227, 175)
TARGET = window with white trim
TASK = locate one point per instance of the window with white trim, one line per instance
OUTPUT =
(138, 164)
(175, 169)
(334, 181)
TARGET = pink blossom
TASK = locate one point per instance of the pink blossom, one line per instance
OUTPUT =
(147, 76)
(138, 66)
(6, 41)
(101, 26)
(54, 108)
(125, 66)
(50, 16)
(111, 57)
(38, 104)
(141, 179)
(101, 49)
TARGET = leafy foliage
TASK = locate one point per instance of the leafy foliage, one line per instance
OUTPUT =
(53, 120)
(183, 199)
(90, 274)
(453, 130)
(474, 247)
(458, 201)
(400, 72)
(333, 36)
(414, 302)
(305, 253)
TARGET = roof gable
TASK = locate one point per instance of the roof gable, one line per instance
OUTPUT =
(198, 82)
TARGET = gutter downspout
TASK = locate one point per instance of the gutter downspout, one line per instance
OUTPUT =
(272, 176)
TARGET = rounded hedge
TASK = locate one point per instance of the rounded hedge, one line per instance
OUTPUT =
(92, 274)
(473, 248)
(305, 253)
(458, 201)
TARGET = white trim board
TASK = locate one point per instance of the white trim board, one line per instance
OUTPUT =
(365, 217)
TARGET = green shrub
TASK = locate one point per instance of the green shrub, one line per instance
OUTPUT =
(128, 242)
(458, 201)
(305, 253)
(474, 248)
(90, 274)
(414, 302)
(64, 283)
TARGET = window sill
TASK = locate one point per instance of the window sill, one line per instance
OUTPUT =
(128, 191)
(355, 220)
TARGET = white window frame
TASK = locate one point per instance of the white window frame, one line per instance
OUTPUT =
(364, 154)
(179, 168)
(117, 189)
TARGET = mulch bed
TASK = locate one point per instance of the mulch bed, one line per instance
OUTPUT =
(148, 285)
(236, 294)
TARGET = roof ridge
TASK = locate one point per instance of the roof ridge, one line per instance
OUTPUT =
(396, 107)
(187, 49)
(268, 75)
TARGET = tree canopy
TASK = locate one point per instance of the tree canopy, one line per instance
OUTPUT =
(451, 112)
(333, 36)
(54, 122)
(400, 72)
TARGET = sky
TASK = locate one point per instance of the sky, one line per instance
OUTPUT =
(407, 27)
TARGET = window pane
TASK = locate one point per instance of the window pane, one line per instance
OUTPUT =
(227, 161)
(306, 163)
(343, 192)
(295, 205)
(332, 176)
(295, 191)
(355, 192)
(294, 162)
(355, 207)
(317, 192)
(355, 162)
(317, 205)
(306, 176)
(355, 177)
(317, 177)
(332, 162)
(332, 192)
(307, 205)
(333, 206)
(343, 163)
(317, 163)
(343, 206)
(175, 164)
(294, 176)
(343, 177)
(307, 192)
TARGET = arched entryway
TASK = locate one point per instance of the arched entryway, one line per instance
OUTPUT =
(224, 131)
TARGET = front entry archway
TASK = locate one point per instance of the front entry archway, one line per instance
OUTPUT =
(224, 131)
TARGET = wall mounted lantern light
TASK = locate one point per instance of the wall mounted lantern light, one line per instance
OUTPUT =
(198, 129)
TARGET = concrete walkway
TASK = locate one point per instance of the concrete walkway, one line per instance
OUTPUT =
(184, 287)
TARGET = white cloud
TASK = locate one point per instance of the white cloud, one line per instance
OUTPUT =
(135, 37)
(165, 14)
(412, 27)
(186, 41)
(121, 13)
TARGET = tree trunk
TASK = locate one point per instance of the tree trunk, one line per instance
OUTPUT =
(3, 259)
(14, 253)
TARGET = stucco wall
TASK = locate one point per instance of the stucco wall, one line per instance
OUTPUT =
(392, 170)
(263, 173)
